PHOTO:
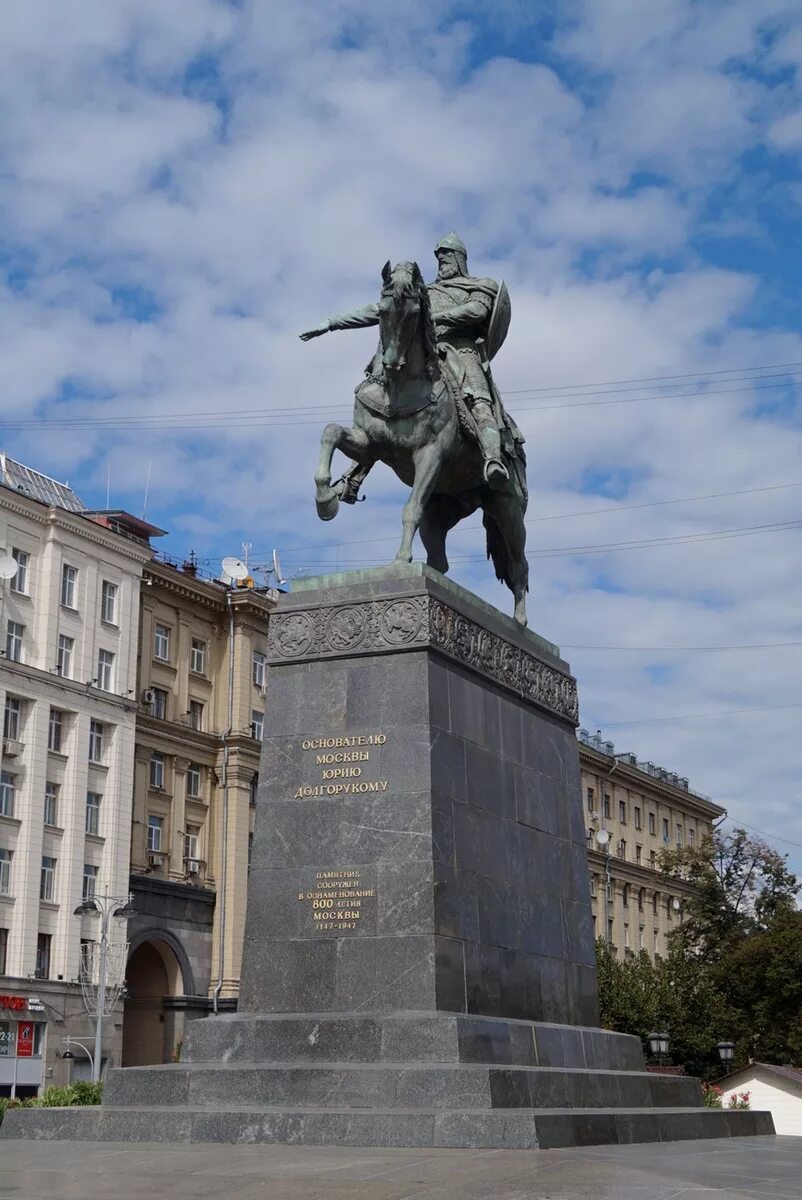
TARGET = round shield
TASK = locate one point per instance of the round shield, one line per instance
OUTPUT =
(499, 321)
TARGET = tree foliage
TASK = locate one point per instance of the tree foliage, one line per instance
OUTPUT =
(740, 887)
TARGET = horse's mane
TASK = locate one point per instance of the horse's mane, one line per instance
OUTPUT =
(406, 280)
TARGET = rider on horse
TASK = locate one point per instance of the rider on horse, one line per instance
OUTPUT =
(471, 318)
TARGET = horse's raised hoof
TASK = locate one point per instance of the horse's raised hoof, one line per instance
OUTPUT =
(327, 502)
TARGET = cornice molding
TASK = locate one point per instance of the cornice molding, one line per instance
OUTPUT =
(646, 784)
(90, 531)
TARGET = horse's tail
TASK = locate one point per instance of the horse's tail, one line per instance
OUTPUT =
(497, 550)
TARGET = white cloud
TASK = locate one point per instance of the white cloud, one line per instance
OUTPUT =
(246, 169)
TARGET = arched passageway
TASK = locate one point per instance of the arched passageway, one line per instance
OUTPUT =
(152, 975)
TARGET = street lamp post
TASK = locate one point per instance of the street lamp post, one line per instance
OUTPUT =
(658, 1044)
(105, 907)
(603, 840)
(68, 1054)
(726, 1051)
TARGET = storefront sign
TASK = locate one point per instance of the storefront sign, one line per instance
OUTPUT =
(25, 1039)
(13, 1002)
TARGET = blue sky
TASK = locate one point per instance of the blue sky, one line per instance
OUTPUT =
(183, 188)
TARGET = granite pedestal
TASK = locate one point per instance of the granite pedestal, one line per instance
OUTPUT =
(418, 967)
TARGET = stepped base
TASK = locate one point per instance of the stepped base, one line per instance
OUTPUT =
(522, 1129)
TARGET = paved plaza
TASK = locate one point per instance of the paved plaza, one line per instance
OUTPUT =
(721, 1170)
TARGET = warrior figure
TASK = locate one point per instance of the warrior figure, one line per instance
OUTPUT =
(471, 319)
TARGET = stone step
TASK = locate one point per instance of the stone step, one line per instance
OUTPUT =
(420, 1037)
(399, 1085)
(467, 1128)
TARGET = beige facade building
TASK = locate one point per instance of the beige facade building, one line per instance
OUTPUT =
(67, 675)
(633, 810)
(200, 714)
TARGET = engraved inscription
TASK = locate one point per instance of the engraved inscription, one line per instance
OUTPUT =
(337, 761)
(339, 900)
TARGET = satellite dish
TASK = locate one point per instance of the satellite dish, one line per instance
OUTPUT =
(8, 567)
(277, 568)
(234, 568)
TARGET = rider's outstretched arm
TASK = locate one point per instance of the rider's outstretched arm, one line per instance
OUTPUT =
(360, 318)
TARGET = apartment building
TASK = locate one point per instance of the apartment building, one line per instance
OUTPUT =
(633, 810)
(199, 721)
(68, 614)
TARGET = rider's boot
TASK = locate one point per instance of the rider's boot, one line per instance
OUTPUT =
(496, 474)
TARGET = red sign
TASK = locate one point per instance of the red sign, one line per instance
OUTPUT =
(25, 1039)
(15, 1002)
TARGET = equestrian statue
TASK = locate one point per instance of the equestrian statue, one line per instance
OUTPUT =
(428, 407)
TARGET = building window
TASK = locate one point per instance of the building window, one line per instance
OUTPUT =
(97, 731)
(155, 827)
(64, 655)
(666, 832)
(655, 902)
(161, 643)
(105, 670)
(92, 815)
(194, 779)
(622, 812)
(69, 580)
(195, 714)
(625, 895)
(86, 962)
(638, 822)
(254, 788)
(591, 801)
(51, 803)
(197, 657)
(47, 883)
(589, 838)
(691, 837)
(679, 835)
(669, 909)
(622, 848)
(108, 602)
(157, 771)
(606, 805)
(610, 931)
(5, 873)
(250, 851)
(653, 859)
(55, 730)
(626, 936)
(258, 669)
(20, 581)
(90, 881)
(158, 704)
(652, 827)
(14, 635)
(638, 854)
(12, 718)
(192, 842)
(257, 725)
(7, 791)
(3, 950)
(43, 944)
(593, 885)
(640, 937)
(640, 899)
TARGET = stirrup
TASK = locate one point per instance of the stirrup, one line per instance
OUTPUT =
(495, 472)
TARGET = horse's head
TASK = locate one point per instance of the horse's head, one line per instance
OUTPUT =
(405, 321)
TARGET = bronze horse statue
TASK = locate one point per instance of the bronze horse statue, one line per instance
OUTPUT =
(407, 414)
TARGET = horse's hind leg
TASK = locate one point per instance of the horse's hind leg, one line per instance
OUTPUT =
(505, 510)
(353, 442)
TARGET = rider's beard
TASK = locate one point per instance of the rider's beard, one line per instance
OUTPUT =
(448, 270)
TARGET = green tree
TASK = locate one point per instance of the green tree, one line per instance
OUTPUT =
(740, 887)
(762, 980)
(677, 995)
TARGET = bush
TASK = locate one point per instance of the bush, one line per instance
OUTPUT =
(79, 1093)
(739, 1100)
(711, 1094)
(86, 1092)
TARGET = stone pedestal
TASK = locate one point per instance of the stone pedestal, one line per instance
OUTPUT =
(418, 967)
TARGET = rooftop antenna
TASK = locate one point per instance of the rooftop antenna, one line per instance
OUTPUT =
(277, 569)
(108, 484)
(246, 549)
(234, 570)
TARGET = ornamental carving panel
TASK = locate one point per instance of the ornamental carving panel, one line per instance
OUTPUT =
(419, 621)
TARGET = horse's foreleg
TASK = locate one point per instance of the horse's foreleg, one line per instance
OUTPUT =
(354, 443)
(428, 462)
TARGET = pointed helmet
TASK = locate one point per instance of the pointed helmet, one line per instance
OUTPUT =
(451, 242)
